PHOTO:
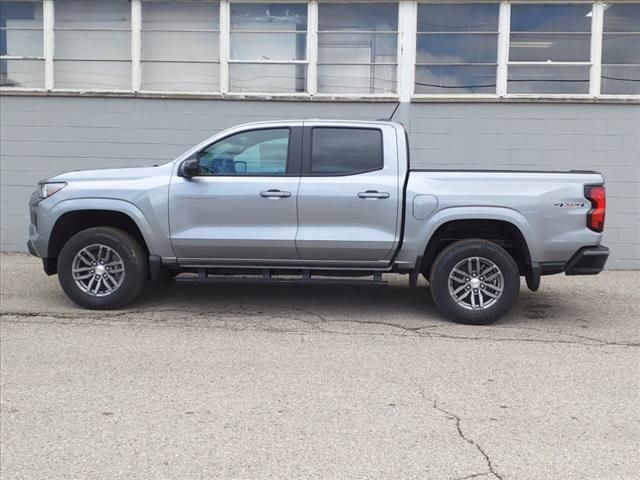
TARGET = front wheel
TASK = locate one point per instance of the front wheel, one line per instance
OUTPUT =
(474, 282)
(102, 268)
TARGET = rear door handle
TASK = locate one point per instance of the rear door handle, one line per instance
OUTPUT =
(275, 194)
(373, 194)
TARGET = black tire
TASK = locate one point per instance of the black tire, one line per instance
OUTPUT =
(133, 256)
(447, 260)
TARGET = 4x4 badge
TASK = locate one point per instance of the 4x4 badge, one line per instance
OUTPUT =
(570, 204)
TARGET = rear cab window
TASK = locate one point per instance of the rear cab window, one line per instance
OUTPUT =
(345, 151)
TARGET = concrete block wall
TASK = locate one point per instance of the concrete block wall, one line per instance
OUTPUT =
(41, 136)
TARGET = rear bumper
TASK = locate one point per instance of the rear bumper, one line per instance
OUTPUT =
(587, 261)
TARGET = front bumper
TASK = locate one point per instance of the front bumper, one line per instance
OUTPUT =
(32, 249)
(587, 261)
(38, 245)
(49, 265)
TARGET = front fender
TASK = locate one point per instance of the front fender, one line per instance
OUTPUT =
(157, 244)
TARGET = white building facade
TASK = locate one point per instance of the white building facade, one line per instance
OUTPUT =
(481, 84)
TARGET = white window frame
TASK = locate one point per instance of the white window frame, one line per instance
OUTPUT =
(504, 7)
(504, 33)
(406, 58)
(600, 40)
(50, 52)
(402, 90)
(229, 93)
(589, 63)
(136, 45)
(407, 48)
(136, 54)
(42, 58)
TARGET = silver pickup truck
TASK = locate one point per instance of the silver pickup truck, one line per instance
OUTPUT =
(317, 201)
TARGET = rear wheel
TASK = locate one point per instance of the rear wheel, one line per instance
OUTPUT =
(102, 268)
(474, 282)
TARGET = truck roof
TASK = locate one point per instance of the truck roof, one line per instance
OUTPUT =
(322, 120)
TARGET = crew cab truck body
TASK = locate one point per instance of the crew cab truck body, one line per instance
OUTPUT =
(317, 199)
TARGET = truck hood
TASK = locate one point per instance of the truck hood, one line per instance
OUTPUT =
(127, 173)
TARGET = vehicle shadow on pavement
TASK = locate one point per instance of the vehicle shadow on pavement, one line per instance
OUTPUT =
(335, 302)
(396, 303)
(396, 309)
(561, 306)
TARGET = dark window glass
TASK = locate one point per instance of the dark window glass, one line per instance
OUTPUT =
(621, 79)
(622, 18)
(266, 17)
(551, 18)
(550, 47)
(21, 14)
(457, 48)
(548, 79)
(450, 17)
(21, 41)
(268, 47)
(343, 151)
(180, 45)
(354, 17)
(455, 79)
(357, 47)
(621, 50)
(554, 36)
(257, 152)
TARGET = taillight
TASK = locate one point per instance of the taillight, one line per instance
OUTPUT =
(598, 197)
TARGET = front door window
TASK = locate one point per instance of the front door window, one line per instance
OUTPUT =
(258, 152)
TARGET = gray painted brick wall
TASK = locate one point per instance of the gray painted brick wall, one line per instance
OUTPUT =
(42, 136)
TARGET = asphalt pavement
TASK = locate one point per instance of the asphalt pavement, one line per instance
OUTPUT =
(288, 382)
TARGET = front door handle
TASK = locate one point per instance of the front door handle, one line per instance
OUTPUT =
(373, 194)
(275, 194)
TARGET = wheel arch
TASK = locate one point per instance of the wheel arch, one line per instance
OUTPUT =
(70, 223)
(506, 227)
(74, 218)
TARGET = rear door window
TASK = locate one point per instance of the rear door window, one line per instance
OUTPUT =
(345, 151)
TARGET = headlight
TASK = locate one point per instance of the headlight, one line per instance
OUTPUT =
(49, 188)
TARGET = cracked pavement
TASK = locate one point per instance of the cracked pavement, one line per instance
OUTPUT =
(251, 382)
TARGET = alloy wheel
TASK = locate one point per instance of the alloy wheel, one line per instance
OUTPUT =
(476, 283)
(98, 270)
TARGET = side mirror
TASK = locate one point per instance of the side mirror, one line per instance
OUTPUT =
(190, 168)
(240, 166)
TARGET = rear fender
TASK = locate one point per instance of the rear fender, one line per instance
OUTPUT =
(423, 231)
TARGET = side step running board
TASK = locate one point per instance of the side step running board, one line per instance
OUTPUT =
(302, 278)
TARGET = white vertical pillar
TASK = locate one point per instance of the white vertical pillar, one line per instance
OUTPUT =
(48, 42)
(504, 31)
(407, 27)
(136, 44)
(312, 47)
(597, 25)
(225, 25)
